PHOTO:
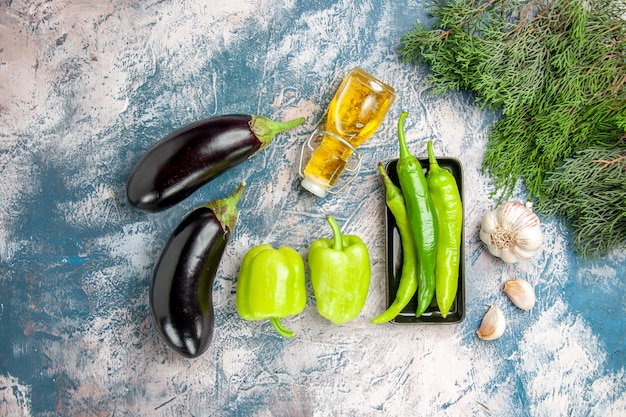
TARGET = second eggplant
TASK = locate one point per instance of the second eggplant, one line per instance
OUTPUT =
(189, 157)
(181, 290)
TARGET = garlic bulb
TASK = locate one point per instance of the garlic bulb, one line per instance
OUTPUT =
(521, 293)
(512, 232)
(493, 324)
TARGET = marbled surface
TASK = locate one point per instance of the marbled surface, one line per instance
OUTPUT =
(87, 86)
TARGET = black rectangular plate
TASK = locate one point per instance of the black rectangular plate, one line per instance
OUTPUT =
(394, 258)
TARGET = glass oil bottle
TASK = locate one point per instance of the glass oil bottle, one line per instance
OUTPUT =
(353, 115)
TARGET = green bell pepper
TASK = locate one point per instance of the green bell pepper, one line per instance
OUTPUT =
(271, 285)
(340, 274)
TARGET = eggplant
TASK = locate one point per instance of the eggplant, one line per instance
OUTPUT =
(189, 157)
(181, 293)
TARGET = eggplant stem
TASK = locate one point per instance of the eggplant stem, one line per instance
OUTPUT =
(266, 129)
(225, 209)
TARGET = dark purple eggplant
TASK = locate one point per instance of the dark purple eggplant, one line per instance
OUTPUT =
(181, 294)
(189, 157)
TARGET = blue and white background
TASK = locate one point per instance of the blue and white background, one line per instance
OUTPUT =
(87, 86)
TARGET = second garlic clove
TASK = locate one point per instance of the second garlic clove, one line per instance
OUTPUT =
(521, 293)
(493, 324)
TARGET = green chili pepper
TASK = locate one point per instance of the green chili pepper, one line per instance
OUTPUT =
(271, 285)
(422, 219)
(408, 279)
(340, 274)
(445, 194)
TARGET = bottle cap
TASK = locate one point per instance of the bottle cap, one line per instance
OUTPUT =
(313, 186)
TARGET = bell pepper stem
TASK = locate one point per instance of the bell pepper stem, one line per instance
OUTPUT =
(282, 330)
(338, 238)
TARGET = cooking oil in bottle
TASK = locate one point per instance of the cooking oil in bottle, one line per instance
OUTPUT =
(354, 114)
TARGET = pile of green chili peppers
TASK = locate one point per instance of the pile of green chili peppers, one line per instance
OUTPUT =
(429, 217)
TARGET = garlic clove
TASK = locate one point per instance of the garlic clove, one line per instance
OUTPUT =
(512, 215)
(530, 238)
(489, 222)
(493, 324)
(521, 293)
(509, 255)
(522, 254)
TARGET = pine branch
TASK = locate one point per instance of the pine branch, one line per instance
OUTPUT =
(556, 69)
